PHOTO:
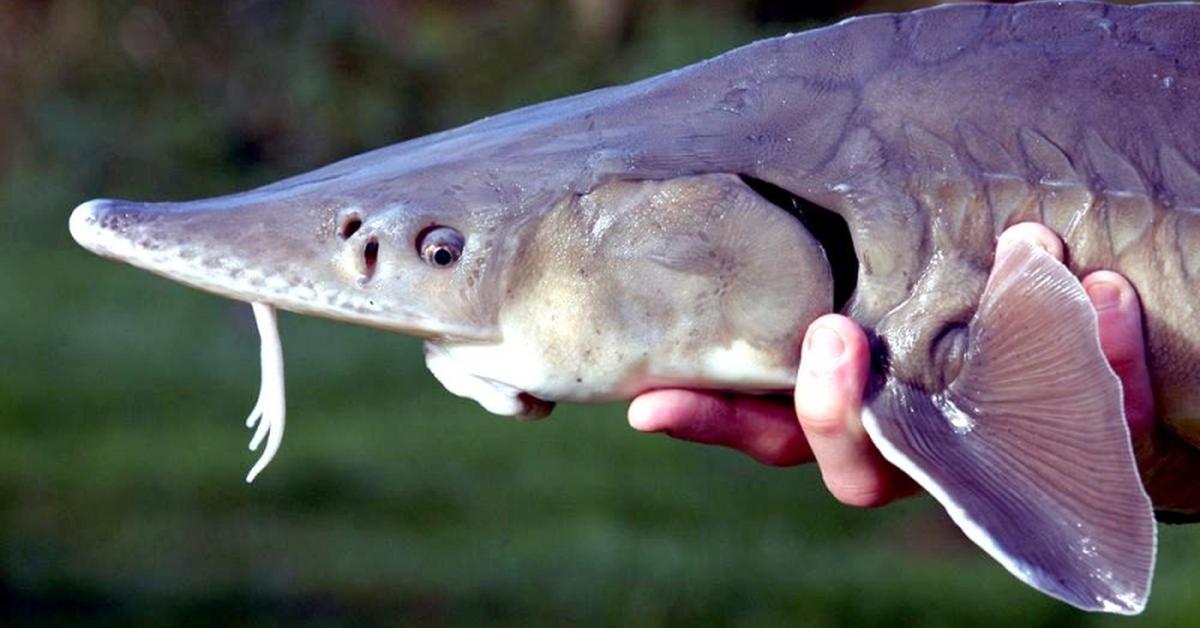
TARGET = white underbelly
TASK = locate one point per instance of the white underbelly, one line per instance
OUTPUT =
(497, 375)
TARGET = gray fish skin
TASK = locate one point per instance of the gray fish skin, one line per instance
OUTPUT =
(928, 133)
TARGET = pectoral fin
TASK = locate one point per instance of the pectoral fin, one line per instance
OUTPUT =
(1027, 448)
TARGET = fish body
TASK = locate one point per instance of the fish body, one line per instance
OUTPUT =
(685, 229)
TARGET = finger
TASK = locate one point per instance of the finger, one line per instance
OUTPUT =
(1119, 317)
(834, 366)
(1035, 234)
(764, 428)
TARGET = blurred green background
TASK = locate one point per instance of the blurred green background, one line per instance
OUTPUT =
(122, 395)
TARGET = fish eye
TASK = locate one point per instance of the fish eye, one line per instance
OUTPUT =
(440, 246)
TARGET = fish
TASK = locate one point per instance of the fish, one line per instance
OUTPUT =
(685, 229)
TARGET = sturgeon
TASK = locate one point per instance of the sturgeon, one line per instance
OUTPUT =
(683, 231)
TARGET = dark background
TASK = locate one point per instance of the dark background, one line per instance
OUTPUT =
(122, 395)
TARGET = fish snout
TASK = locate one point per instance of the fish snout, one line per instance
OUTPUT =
(237, 252)
(159, 237)
(92, 225)
(123, 230)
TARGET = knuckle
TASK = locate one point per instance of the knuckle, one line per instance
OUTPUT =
(700, 432)
(782, 452)
(860, 491)
(823, 424)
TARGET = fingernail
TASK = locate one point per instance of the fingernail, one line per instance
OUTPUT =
(1104, 295)
(825, 344)
(1033, 234)
(643, 415)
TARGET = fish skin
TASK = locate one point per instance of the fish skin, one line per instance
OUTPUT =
(1094, 132)
(927, 132)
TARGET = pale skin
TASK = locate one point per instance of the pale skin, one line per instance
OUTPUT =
(822, 423)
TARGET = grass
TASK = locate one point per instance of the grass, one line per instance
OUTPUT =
(122, 501)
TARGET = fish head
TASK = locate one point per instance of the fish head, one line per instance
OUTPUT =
(423, 237)
(415, 237)
(367, 250)
(693, 280)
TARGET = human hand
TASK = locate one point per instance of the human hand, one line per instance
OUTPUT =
(823, 422)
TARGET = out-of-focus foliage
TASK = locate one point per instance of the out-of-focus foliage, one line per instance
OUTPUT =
(121, 395)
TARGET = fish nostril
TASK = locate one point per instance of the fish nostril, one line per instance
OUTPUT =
(350, 227)
(370, 257)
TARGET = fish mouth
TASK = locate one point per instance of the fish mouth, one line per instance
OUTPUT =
(187, 243)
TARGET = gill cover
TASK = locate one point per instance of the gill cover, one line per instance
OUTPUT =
(691, 282)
